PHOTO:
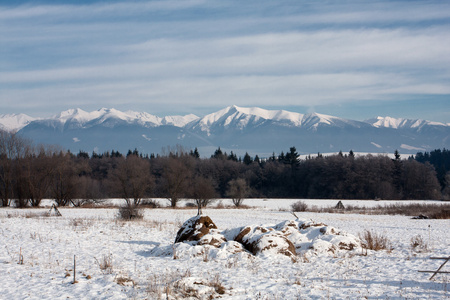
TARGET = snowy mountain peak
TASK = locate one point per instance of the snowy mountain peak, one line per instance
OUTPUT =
(110, 116)
(72, 114)
(396, 123)
(14, 122)
(237, 128)
(241, 117)
(313, 120)
(179, 121)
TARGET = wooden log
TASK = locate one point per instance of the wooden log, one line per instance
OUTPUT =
(442, 272)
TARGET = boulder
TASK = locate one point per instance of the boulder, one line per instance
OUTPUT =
(213, 238)
(260, 239)
(194, 229)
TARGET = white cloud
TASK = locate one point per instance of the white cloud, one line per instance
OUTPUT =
(219, 53)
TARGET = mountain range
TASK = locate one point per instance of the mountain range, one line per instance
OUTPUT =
(238, 129)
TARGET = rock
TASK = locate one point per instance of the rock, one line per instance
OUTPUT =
(213, 238)
(260, 239)
(194, 229)
(420, 217)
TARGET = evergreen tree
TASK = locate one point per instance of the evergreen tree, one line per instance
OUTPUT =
(351, 154)
(281, 157)
(232, 156)
(247, 159)
(291, 157)
(195, 153)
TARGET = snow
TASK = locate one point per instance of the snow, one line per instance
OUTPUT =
(179, 121)
(243, 116)
(138, 260)
(388, 122)
(14, 122)
(396, 123)
(81, 117)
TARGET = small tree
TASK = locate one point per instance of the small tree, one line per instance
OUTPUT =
(202, 191)
(238, 189)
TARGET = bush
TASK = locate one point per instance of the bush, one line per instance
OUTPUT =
(130, 212)
(105, 264)
(150, 203)
(418, 244)
(299, 206)
(374, 241)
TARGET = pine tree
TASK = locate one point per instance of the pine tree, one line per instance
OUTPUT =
(247, 159)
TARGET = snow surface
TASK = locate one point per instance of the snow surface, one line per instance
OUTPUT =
(137, 260)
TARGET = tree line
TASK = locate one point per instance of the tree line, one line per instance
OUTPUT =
(30, 173)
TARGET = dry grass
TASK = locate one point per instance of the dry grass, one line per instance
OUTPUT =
(130, 212)
(418, 244)
(431, 211)
(374, 241)
(172, 285)
(106, 264)
(124, 281)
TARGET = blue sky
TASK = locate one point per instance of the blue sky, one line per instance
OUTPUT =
(353, 59)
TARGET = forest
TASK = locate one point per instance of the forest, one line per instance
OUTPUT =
(31, 173)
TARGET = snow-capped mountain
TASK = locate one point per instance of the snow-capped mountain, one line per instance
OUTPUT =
(238, 129)
(234, 117)
(78, 118)
(399, 123)
(14, 122)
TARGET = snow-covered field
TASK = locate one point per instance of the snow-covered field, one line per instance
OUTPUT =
(136, 260)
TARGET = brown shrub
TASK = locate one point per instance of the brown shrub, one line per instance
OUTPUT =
(299, 206)
(374, 241)
(130, 212)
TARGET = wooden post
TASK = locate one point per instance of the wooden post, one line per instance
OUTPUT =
(74, 269)
(20, 257)
(438, 271)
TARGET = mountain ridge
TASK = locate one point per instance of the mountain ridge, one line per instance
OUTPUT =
(239, 129)
(17, 121)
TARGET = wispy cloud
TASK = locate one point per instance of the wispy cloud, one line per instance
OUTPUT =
(215, 53)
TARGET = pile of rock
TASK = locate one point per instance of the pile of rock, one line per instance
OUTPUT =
(288, 238)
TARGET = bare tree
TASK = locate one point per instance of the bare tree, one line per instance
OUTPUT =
(132, 179)
(88, 191)
(202, 191)
(12, 148)
(63, 185)
(38, 171)
(175, 179)
(238, 189)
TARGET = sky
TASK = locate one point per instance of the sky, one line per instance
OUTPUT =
(351, 59)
